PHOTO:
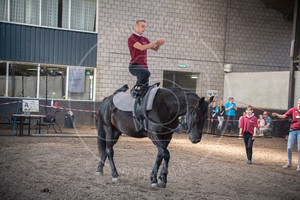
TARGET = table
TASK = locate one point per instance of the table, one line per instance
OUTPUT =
(29, 117)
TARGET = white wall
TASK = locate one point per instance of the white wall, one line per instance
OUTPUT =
(259, 89)
(257, 39)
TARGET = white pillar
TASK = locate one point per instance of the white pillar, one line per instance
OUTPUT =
(94, 82)
(69, 16)
(38, 81)
(67, 84)
(40, 13)
(8, 10)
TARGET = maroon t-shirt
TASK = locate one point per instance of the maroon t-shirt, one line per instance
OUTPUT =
(295, 115)
(248, 124)
(137, 56)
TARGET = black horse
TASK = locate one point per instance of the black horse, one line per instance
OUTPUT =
(168, 105)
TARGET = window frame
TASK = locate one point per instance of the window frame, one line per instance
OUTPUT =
(38, 65)
(60, 28)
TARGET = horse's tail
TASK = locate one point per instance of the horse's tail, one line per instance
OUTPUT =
(101, 139)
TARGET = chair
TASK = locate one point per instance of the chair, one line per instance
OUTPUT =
(17, 122)
(50, 121)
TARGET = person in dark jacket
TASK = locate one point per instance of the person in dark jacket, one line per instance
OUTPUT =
(220, 110)
(212, 117)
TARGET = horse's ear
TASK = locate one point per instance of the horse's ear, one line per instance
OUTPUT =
(201, 101)
(211, 99)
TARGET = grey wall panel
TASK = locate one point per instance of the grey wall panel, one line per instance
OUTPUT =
(45, 45)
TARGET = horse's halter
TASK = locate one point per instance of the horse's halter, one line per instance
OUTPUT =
(191, 120)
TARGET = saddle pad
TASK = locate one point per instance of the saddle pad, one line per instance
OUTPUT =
(124, 101)
(149, 98)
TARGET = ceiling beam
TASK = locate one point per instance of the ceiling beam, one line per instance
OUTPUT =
(280, 4)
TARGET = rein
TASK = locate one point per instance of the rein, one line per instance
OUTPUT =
(186, 116)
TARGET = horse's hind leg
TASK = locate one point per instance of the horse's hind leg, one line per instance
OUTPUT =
(101, 149)
(111, 140)
(162, 180)
(158, 161)
(163, 153)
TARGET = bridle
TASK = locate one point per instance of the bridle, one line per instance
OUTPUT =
(190, 122)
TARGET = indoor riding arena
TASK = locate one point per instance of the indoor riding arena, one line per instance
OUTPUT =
(134, 99)
(64, 168)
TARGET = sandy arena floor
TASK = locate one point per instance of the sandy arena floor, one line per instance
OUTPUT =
(215, 168)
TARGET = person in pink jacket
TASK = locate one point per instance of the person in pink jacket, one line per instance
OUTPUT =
(248, 128)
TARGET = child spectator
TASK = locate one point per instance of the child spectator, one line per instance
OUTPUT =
(212, 117)
(261, 124)
(244, 114)
(220, 110)
(248, 128)
(268, 127)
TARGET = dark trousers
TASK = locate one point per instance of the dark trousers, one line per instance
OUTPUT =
(248, 144)
(141, 73)
(212, 125)
(231, 123)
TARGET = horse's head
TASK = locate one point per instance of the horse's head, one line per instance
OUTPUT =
(196, 119)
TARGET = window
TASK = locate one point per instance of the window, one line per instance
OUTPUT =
(83, 15)
(22, 80)
(55, 13)
(53, 80)
(24, 11)
(81, 83)
(65, 14)
(70, 14)
(50, 13)
(3, 10)
(185, 80)
(2, 79)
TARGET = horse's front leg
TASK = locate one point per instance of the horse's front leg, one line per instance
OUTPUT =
(162, 180)
(158, 161)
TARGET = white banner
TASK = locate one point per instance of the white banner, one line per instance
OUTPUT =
(30, 106)
(76, 79)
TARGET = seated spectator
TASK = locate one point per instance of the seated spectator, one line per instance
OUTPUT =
(184, 124)
(268, 127)
(261, 123)
(244, 114)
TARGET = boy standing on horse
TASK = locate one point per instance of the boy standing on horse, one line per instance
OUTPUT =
(138, 46)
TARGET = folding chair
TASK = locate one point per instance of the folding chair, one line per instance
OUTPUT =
(17, 122)
(50, 121)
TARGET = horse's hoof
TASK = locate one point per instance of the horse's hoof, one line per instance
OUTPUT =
(99, 173)
(114, 180)
(154, 185)
(161, 184)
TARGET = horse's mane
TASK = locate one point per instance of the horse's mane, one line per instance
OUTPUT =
(180, 92)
